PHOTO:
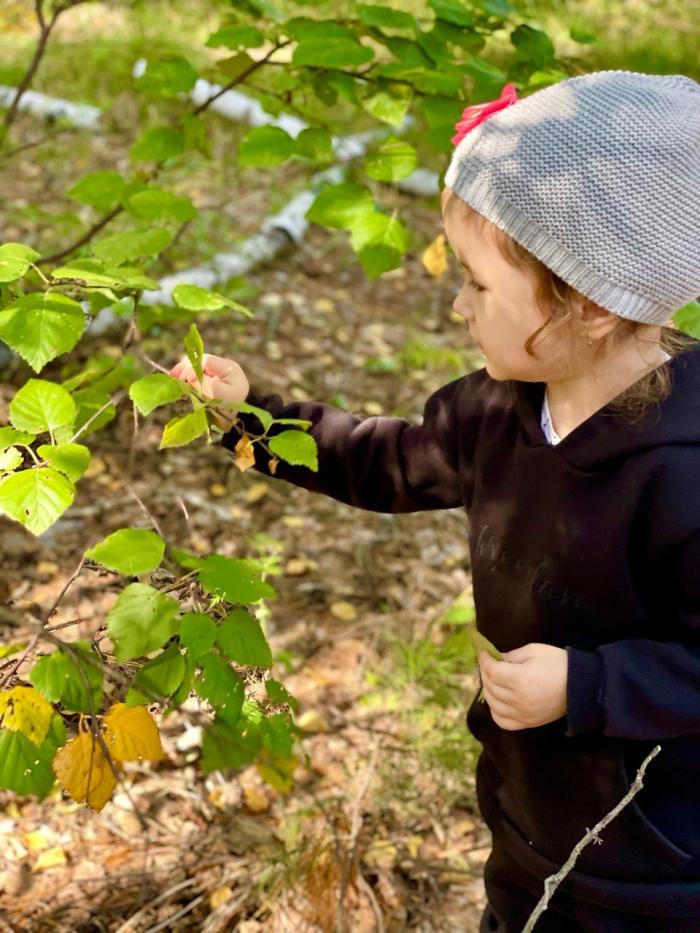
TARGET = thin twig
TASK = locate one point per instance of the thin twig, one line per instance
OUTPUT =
(103, 221)
(355, 827)
(30, 647)
(552, 883)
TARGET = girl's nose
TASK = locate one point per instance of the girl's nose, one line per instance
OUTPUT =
(462, 310)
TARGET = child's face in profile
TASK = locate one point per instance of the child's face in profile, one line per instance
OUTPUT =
(498, 302)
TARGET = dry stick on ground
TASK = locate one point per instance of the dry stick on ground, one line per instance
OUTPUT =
(356, 826)
(552, 883)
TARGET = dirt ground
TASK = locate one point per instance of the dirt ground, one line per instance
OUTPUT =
(179, 851)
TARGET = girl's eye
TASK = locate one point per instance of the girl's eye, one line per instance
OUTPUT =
(471, 283)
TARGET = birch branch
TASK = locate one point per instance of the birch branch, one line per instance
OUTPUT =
(552, 883)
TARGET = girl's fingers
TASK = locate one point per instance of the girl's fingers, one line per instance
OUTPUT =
(217, 365)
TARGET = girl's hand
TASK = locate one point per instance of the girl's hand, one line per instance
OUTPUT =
(223, 379)
(527, 688)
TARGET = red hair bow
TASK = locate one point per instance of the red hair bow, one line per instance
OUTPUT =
(473, 116)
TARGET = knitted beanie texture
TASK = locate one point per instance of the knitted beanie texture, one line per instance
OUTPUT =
(599, 177)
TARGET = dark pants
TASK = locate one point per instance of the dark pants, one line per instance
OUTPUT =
(513, 893)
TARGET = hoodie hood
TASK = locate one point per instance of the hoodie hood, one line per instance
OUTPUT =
(604, 436)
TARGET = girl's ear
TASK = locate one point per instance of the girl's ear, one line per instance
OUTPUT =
(591, 318)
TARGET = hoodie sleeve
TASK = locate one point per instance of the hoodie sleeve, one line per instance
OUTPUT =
(382, 464)
(641, 688)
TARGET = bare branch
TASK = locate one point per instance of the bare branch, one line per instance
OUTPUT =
(44, 33)
(552, 883)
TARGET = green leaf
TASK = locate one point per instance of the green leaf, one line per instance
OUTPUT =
(42, 325)
(229, 746)
(101, 190)
(194, 347)
(304, 28)
(10, 459)
(26, 768)
(157, 144)
(265, 146)
(41, 406)
(276, 732)
(141, 621)
(6, 651)
(279, 694)
(533, 45)
(236, 37)
(331, 53)
(185, 559)
(89, 402)
(70, 459)
(375, 228)
(687, 318)
(169, 77)
(295, 447)
(453, 12)
(378, 259)
(9, 436)
(264, 416)
(15, 260)
(480, 643)
(194, 298)
(197, 633)
(183, 691)
(390, 103)
(36, 497)
(90, 271)
(221, 686)
(314, 143)
(154, 390)
(339, 205)
(236, 580)
(583, 36)
(235, 66)
(384, 16)
(61, 677)
(157, 204)
(394, 160)
(183, 429)
(130, 551)
(241, 638)
(486, 75)
(132, 244)
(160, 677)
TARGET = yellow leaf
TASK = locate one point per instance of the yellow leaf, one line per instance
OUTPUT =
(245, 456)
(219, 896)
(218, 490)
(255, 799)
(344, 611)
(84, 772)
(132, 734)
(312, 721)
(256, 492)
(14, 648)
(435, 256)
(38, 839)
(272, 464)
(50, 858)
(277, 770)
(24, 709)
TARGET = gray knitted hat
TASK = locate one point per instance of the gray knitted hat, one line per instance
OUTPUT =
(599, 177)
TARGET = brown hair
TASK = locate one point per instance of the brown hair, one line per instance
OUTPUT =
(553, 293)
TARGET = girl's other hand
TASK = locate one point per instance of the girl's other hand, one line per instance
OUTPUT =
(527, 688)
(223, 379)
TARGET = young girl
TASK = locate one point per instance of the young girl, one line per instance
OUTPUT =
(575, 451)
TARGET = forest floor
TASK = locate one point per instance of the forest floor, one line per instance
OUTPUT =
(383, 809)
